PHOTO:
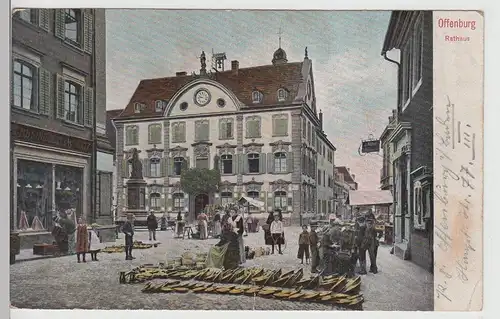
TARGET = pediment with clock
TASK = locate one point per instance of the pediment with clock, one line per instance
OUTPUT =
(202, 96)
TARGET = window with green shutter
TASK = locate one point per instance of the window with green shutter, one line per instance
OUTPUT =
(280, 162)
(253, 127)
(202, 131)
(226, 129)
(131, 135)
(44, 19)
(73, 102)
(24, 85)
(178, 132)
(280, 125)
(154, 134)
(89, 107)
(44, 89)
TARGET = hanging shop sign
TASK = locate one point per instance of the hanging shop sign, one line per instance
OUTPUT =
(372, 146)
(48, 138)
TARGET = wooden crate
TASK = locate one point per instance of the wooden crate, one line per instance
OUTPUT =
(44, 249)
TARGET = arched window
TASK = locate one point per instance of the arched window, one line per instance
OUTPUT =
(155, 166)
(226, 198)
(227, 164)
(280, 165)
(178, 163)
(280, 200)
(23, 85)
(257, 97)
(132, 135)
(154, 134)
(282, 95)
(178, 201)
(159, 106)
(253, 162)
(155, 201)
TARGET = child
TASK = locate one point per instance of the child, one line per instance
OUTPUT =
(95, 245)
(313, 243)
(276, 233)
(303, 245)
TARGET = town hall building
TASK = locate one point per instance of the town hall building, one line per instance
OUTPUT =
(261, 122)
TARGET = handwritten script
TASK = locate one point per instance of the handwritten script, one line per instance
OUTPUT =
(451, 232)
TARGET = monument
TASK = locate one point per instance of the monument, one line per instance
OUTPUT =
(136, 190)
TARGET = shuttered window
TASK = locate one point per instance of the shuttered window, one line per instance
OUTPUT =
(280, 163)
(253, 127)
(227, 164)
(73, 98)
(280, 125)
(155, 167)
(24, 85)
(132, 135)
(155, 201)
(226, 129)
(179, 132)
(253, 163)
(178, 201)
(280, 200)
(202, 131)
(154, 134)
(75, 26)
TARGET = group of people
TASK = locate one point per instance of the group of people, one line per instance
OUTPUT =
(366, 240)
(308, 247)
(229, 252)
(80, 238)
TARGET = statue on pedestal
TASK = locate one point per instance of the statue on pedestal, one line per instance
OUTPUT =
(136, 165)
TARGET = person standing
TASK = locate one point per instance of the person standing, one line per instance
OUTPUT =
(268, 238)
(217, 225)
(280, 217)
(249, 223)
(82, 240)
(69, 228)
(303, 245)
(372, 243)
(179, 225)
(152, 224)
(202, 225)
(95, 245)
(237, 223)
(360, 243)
(128, 230)
(313, 244)
(276, 233)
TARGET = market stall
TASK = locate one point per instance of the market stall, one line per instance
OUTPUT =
(380, 201)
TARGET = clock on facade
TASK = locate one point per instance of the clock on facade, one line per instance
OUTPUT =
(202, 97)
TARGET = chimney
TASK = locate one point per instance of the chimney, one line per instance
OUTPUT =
(181, 73)
(321, 120)
(235, 65)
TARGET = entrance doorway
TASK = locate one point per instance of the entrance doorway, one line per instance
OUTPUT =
(200, 202)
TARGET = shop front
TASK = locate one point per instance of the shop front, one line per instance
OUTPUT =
(46, 180)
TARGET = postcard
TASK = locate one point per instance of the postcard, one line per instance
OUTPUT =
(246, 160)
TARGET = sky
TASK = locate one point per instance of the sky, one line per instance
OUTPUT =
(355, 87)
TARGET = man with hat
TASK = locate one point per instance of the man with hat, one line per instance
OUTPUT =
(128, 230)
(359, 244)
(372, 242)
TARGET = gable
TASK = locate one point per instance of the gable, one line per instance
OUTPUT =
(201, 97)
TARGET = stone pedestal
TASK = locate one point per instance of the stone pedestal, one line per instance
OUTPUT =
(136, 194)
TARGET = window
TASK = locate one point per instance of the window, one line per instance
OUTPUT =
(324, 179)
(253, 163)
(418, 47)
(280, 200)
(226, 198)
(319, 177)
(227, 164)
(202, 163)
(280, 163)
(226, 129)
(178, 132)
(155, 166)
(178, 201)
(159, 106)
(178, 163)
(69, 185)
(253, 127)
(154, 134)
(304, 164)
(131, 135)
(280, 125)
(72, 25)
(23, 85)
(304, 128)
(202, 131)
(137, 107)
(309, 132)
(155, 201)
(282, 95)
(406, 63)
(28, 15)
(256, 97)
(418, 205)
(72, 102)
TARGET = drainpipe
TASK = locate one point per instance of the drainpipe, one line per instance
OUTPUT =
(94, 125)
(399, 78)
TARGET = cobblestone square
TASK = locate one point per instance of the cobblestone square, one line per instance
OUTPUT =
(62, 283)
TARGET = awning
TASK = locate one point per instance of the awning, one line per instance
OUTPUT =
(251, 201)
(367, 198)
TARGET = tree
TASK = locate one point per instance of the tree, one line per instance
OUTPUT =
(200, 180)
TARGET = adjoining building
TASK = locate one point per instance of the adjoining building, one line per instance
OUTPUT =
(409, 140)
(58, 105)
(261, 122)
(344, 183)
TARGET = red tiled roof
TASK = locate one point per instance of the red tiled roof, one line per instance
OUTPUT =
(267, 79)
(347, 175)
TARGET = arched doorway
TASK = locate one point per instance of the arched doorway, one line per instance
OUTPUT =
(200, 202)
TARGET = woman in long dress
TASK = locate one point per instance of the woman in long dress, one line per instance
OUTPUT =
(225, 254)
(268, 239)
(179, 225)
(203, 225)
(237, 223)
(217, 225)
(95, 244)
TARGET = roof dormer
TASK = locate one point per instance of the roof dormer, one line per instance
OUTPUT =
(138, 107)
(160, 105)
(257, 97)
(282, 94)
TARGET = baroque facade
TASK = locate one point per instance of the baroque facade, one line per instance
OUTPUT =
(409, 136)
(261, 122)
(58, 114)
